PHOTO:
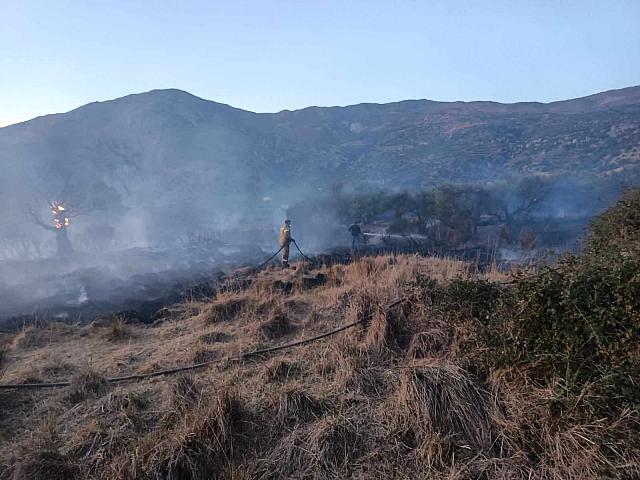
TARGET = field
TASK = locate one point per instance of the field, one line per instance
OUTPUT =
(473, 375)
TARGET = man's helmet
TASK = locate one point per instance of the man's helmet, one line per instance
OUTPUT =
(287, 221)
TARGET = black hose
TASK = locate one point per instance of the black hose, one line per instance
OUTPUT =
(270, 258)
(303, 255)
(169, 371)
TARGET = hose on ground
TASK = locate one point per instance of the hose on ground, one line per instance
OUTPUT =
(195, 366)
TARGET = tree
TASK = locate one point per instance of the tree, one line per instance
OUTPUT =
(455, 207)
(363, 207)
(60, 224)
(74, 198)
(424, 204)
(401, 203)
(530, 193)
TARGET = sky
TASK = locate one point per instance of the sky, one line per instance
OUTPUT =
(268, 55)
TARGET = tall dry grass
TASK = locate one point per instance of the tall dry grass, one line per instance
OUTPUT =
(404, 394)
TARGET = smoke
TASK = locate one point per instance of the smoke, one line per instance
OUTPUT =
(165, 189)
(138, 250)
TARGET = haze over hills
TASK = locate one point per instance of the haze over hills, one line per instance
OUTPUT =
(166, 158)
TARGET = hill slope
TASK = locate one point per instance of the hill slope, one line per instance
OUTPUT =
(471, 376)
(401, 397)
(165, 157)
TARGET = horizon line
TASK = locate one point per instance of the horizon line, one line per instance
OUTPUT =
(320, 106)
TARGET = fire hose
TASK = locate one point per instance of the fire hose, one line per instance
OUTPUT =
(303, 255)
(196, 366)
(279, 250)
(271, 257)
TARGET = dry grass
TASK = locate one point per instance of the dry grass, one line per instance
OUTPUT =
(36, 336)
(320, 450)
(276, 326)
(359, 372)
(444, 401)
(431, 343)
(41, 458)
(570, 443)
(215, 337)
(199, 447)
(184, 392)
(55, 366)
(226, 307)
(295, 405)
(202, 353)
(278, 370)
(4, 360)
(117, 330)
(87, 384)
(393, 397)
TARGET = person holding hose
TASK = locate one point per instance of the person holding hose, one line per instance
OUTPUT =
(285, 240)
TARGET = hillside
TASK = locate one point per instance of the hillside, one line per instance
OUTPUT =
(472, 375)
(167, 160)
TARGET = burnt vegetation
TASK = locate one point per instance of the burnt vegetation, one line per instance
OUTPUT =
(477, 375)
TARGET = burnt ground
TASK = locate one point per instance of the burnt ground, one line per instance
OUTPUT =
(139, 283)
(134, 283)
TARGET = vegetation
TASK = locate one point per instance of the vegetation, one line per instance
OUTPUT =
(521, 213)
(580, 319)
(476, 375)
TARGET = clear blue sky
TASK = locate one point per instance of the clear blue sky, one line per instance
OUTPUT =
(268, 55)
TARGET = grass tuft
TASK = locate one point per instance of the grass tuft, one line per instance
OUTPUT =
(443, 400)
(276, 326)
(88, 384)
(199, 447)
(117, 330)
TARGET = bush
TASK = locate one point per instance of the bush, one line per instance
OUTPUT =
(580, 319)
(475, 298)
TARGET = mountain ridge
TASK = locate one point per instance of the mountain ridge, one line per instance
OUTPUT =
(634, 90)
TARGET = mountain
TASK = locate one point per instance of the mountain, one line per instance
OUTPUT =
(425, 142)
(166, 160)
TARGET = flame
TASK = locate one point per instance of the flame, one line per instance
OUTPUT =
(59, 221)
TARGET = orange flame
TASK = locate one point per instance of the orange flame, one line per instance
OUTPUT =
(59, 220)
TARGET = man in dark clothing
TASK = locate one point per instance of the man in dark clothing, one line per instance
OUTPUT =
(355, 232)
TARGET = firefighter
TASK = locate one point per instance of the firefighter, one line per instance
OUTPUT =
(355, 232)
(285, 240)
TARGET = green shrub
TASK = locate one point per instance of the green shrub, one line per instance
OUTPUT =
(580, 319)
(474, 298)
